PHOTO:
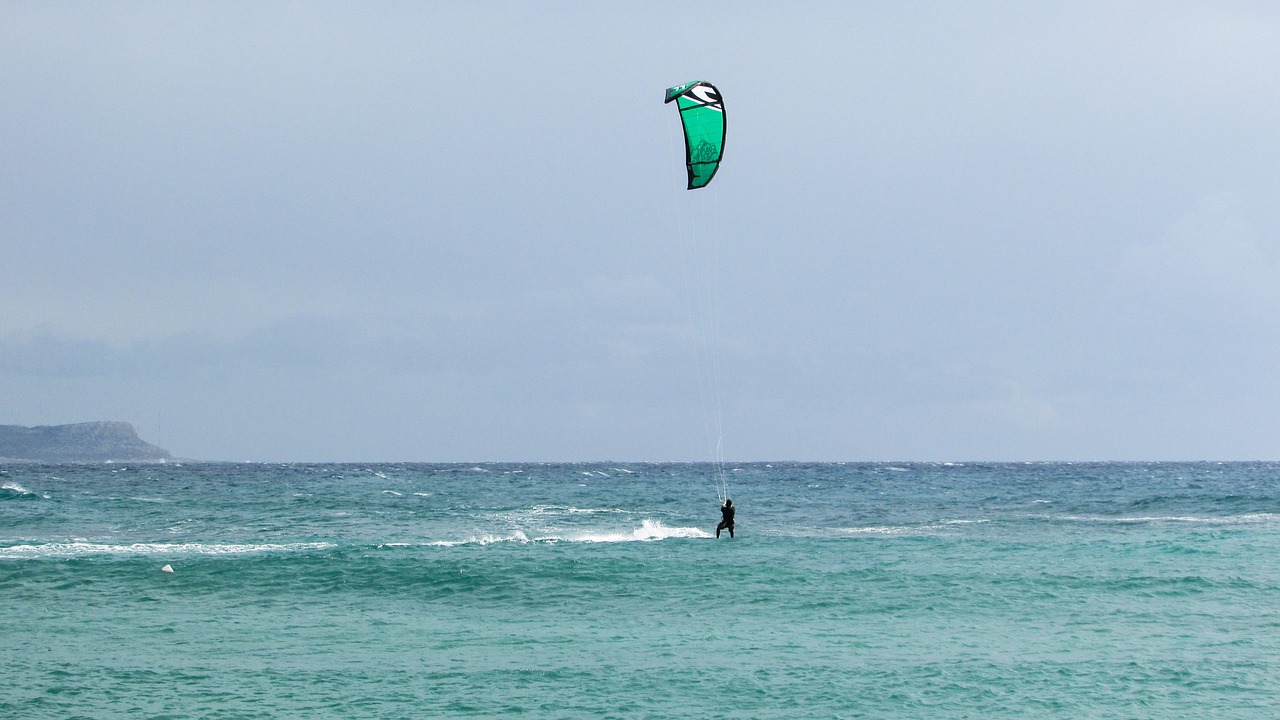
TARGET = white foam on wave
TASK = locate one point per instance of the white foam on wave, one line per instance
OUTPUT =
(909, 530)
(517, 536)
(649, 531)
(392, 492)
(20, 490)
(880, 530)
(571, 510)
(1248, 518)
(83, 549)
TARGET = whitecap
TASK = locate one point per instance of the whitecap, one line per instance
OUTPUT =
(84, 548)
(570, 510)
(1253, 517)
(1248, 518)
(392, 492)
(14, 487)
(517, 536)
(648, 531)
(878, 530)
(923, 529)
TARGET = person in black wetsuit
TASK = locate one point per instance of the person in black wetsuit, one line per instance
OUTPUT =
(726, 513)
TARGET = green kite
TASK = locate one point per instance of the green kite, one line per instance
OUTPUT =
(702, 114)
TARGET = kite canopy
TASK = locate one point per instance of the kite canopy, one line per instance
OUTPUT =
(702, 114)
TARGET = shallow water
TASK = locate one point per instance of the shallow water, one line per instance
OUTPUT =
(595, 590)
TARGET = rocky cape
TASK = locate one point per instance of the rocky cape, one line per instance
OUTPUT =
(89, 442)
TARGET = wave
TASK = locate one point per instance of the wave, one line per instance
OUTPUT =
(930, 528)
(1245, 519)
(14, 490)
(516, 536)
(87, 549)
(881, 530)
(649, 531)
(548, 517)
(571, 510)
(937, 526)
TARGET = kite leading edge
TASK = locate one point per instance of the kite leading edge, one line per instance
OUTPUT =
(702, 115)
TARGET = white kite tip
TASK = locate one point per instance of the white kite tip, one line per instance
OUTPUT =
(167, 568)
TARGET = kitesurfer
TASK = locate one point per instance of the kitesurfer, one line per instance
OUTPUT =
(726, 513)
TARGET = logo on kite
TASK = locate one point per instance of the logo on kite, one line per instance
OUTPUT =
(702, 116)
(704, 153)
(707, 95)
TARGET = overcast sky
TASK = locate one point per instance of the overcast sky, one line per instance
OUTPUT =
(458, 231)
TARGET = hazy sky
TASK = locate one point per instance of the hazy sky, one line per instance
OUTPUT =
(458, 231)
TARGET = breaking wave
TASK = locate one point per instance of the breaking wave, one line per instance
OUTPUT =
(649, 531)
(85, 549)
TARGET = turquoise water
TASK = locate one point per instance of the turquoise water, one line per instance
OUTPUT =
(595, 591)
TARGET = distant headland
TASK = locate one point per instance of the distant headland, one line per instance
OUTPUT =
(89, 442)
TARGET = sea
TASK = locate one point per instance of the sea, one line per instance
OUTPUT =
(598, 590)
